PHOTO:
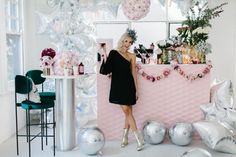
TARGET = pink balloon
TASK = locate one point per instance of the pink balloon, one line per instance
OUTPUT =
(136, 9)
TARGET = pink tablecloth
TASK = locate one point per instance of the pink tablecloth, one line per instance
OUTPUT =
(170, 100)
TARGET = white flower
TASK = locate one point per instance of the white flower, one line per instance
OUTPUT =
(161, 42)
(201, 30)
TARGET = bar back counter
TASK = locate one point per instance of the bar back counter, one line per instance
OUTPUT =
(169, 100)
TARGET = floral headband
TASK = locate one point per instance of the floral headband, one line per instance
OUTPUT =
(132, 34)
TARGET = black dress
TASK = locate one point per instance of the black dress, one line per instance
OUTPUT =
(122, 89)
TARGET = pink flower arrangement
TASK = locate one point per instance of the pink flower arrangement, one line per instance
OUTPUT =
(46, 61)
(48, 52)
(135, 9)
(65, 60)
(47, 56)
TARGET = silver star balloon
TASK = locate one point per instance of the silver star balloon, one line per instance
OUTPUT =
(216, 136)
(53, 3)
(196, 152)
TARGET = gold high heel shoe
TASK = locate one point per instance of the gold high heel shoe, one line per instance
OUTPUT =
(124, 141)
(140, 140)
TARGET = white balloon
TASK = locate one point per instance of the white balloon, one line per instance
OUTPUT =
(213, 112)
(221, 92)
(216, 136)
(230, 120)
(225, 117)
(52, 3)
(225, 95)
(86, 110)
(197, 152)
(184, 5)
(101, 5)
(42, 23)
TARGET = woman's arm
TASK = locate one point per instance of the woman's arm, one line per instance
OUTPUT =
(134, 73)
(106, 66)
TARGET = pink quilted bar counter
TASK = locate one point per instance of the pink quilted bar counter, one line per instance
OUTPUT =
(170, 100)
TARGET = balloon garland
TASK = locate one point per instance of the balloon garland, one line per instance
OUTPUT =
(174, 67)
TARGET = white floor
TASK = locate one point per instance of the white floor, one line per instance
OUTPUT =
(111, 149)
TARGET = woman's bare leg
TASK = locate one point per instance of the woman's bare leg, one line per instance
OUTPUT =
(127, 122)
(129, 118)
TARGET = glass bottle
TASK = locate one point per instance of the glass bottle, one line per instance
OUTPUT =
(152, 46)
(81, 68)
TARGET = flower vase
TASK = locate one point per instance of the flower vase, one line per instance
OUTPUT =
(66, 72)
(193, 52)
(169, 56)
(203, 58)
(47, 71)
(179, 57)
(165, 57)
(75, 70)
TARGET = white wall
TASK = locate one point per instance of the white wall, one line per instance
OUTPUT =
(7, 116)
(34, 42)
(7, 108)
(223, 40)
(33, 45)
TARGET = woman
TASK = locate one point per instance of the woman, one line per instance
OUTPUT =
(124, 91)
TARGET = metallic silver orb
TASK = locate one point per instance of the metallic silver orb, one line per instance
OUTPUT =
(197, 152)
(154, 132)
(181, 134)
(91, 140)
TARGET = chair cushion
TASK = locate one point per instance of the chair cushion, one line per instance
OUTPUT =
(47, 95)
(27, 104)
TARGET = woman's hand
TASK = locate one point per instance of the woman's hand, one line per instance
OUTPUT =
(103, 53)
(137, 95)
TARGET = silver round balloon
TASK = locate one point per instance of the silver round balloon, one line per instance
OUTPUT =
(154, 132)
(91, 140)
(181, 133)
(197, 152)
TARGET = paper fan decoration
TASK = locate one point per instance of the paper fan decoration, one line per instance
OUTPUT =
(136, 9)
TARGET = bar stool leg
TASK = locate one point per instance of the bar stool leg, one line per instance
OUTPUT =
(46, 127)
(17, 144)
(54, 125)
(29, 140)
(42, 127)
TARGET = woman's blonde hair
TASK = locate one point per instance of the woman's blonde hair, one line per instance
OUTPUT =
(131, 33)
(120, 42)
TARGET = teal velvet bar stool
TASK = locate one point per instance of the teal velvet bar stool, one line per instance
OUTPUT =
(35, 75)
(45, 97)
(23, 85)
